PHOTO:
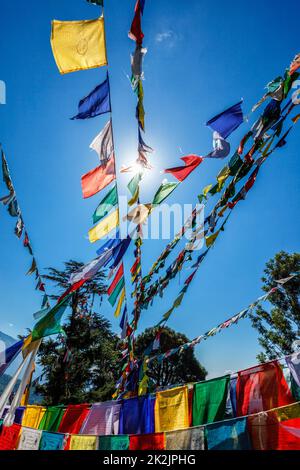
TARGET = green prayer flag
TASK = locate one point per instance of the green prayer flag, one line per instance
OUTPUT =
(235, 164)
(163, 192)
(134, 183)
(114, 442)
(105, 206)
(116, 292)
(52, 418)
(209, 400)
(50, 323)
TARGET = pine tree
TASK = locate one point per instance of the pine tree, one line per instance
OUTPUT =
(279, 328)
(83, 365)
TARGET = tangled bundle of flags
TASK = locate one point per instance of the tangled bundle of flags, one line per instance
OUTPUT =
(256, 408)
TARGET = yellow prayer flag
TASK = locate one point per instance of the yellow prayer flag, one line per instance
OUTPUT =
(210, 240)
(84, 443)
(222, 176)
(171, 409)
(33, 416)
(206, 189)
(120, 302)
(104, 227)
(78, 45)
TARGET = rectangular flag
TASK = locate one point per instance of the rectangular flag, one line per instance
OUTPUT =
(103, 143)
(50, 323)
(96, 103)
(104, 227)
(106, 205)
(98, 178)
(116, 292)
(117, 278)
(163, 192)
(227, 121)
(78, 45)
(120, 303)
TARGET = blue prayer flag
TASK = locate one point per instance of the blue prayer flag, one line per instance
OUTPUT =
(52, 441)
(96, 103)
(137, 416)
(225, 123)
(119, 251)
(229, 435)
(7, 356)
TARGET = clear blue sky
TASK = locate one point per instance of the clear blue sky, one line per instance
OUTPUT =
(202, 57)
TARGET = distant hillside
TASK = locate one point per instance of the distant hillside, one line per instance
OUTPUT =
(34, 397)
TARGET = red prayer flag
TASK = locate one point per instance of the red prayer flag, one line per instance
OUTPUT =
(9, 437)
(181, 172)
(267, 433)
(136, 33)
(73, 418)
(147, 441)
(118, 276)
(262, 388)
(98, 178)
(73, 288)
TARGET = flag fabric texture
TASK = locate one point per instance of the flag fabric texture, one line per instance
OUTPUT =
(139, 214)
(103, 143)
(95, 103)
(113, 442)
(98, 178)
(295, 64)
(230, 435)
(50, 323)
(32, 416)
(103, 419)
(163, 192)
(227, 121)
(293, 363)
(262, 388)
(73, 418)
(186, 439)
(52, 418)
(119, 251)
(182, 172)
(171, 409)
(104, 226)
(9, 437)
(267, 433)
(78, 45)
(137, 415)
(83, 443)
(147, 442)
(209, 400)
(52, 441)
(29, 439)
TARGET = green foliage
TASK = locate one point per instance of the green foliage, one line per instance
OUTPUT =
(279, 327)
(180, 368)
(83, 366)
